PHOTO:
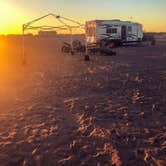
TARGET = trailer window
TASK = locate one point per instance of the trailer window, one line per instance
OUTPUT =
(111, 30)
(129, 29)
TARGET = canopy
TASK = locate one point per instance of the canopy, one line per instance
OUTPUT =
(63, 24)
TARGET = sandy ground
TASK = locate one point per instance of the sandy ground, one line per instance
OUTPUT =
(60, 110)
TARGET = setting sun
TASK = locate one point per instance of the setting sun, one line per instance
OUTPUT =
(10, 18)
(6, 13)
(14, 13)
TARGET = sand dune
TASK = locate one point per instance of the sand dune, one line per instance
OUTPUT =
(61, 110)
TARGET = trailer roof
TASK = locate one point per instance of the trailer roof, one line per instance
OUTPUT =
(112, 21)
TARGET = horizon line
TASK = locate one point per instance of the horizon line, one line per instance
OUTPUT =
(20, 34)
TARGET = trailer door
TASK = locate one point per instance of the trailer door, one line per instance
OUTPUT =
(124, 33)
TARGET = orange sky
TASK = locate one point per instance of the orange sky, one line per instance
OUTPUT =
(150, 13)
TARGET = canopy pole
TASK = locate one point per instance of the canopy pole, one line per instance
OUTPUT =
(71, 40)
(23, 45)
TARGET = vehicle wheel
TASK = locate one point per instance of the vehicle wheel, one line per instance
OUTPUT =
(111, 45)
(72, 52)
(65, 49)
(76, 43)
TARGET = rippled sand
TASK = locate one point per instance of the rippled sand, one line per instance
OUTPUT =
(61, 110)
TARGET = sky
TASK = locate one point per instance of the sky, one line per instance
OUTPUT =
(151, 13)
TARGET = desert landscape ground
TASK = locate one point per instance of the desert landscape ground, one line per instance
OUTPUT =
(61, 110)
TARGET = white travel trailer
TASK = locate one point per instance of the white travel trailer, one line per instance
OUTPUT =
(112, 32)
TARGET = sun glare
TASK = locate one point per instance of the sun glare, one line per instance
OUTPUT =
(1, 54)
(5, 12)
(10, 16)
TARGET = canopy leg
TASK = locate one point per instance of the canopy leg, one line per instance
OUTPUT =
(23, 47)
